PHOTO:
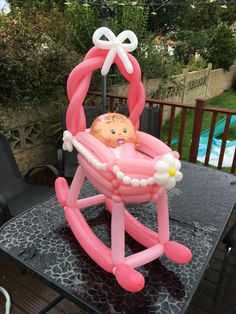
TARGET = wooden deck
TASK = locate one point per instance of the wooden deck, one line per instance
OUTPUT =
(29, 294)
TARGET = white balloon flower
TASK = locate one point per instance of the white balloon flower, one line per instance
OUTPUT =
(168, 171)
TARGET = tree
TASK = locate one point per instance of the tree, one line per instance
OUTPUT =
(189, 15)
(82, 21)
(46, 5)
(189, 42)
(86, 16)
(222, 47)
(36, 55)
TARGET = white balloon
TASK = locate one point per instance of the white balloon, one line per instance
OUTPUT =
(116, 46)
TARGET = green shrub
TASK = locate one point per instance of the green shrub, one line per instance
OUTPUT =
(222, 47)
(82, 21)
(129, 15)
(215, 45)
(84, 17)
(188, 43)
(35, 55)
(155, 62)
(196, 64)
(151, 60)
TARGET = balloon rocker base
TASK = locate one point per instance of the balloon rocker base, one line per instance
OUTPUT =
(125, 165)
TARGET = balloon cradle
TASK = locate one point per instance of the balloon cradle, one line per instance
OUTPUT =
(145, 177)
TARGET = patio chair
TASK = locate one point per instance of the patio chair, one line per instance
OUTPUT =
(16, 194)
(67, 161)
(149, 121)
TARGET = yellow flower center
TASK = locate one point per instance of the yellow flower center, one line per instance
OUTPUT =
(172, 172)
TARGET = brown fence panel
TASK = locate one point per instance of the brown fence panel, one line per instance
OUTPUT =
(161, 109)
(171, 124)
(181, 130)
(213, 123)
(197, 124)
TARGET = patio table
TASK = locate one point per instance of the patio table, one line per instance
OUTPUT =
(41, 241)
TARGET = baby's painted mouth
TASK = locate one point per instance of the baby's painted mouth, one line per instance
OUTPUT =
(120, 141)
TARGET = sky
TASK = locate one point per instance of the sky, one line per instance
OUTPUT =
(4, 5)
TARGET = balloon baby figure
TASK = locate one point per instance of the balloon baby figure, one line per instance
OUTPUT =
(122, 163)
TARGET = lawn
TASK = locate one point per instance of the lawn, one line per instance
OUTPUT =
(225, 100)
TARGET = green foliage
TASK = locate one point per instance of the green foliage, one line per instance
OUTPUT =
(133, 17)
(196, 64)
(189, 15)
(82, 21)
(35, 55)
(155, 62)
(222, 47)
(85, 18)
(40, 41)
(151, 60)
(215, 45)
(189, 42)
(45, 5)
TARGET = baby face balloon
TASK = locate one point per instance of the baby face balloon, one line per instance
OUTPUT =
(114, 129)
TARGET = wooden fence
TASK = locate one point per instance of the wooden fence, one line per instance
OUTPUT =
(114, 102)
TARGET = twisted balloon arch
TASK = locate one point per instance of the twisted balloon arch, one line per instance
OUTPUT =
(79, 81)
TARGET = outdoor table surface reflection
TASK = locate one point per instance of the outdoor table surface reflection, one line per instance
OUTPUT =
(200, 205)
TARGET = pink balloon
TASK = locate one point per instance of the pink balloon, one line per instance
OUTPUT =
(90, 201)
(101, 151)
(128, 190)
(118, 233)
(154, 146)
(163, 219)
(136, 229)
(75, 187)
(145, 256)
(95, 248)
(128, 278)
(78, 84)
(137, 199)
(144, 167)
(62, 190)
(96, 177)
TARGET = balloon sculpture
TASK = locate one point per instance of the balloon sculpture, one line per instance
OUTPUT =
(123, 164)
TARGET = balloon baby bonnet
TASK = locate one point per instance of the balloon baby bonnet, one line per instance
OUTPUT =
(124, 164)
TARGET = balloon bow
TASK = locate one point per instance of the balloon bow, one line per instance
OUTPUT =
(116, 46)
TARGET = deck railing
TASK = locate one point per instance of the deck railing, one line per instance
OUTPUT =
(114, 102)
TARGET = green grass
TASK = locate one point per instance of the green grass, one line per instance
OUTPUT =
(225, 100)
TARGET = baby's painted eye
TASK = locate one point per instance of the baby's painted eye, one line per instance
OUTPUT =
(125, 130)
(113, 131)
